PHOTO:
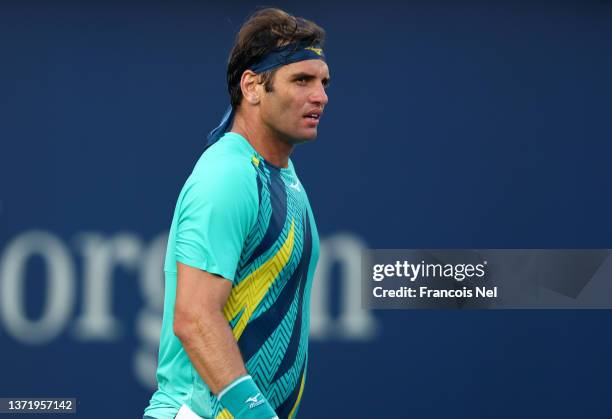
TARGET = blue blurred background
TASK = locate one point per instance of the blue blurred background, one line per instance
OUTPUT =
(450, 125)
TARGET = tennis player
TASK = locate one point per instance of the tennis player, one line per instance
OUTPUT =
(243, 243)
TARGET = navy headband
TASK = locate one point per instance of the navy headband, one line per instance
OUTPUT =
(278, 57)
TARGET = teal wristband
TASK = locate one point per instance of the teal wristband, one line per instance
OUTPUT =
(244, 400)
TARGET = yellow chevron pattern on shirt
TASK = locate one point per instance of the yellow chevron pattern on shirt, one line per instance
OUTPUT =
(246, 296)
(225, 414)
(299, 397)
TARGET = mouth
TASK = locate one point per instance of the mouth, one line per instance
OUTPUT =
(313, 117)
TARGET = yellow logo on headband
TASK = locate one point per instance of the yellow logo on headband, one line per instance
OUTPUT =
(318, 51)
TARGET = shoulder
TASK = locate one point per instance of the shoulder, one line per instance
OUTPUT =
(224, 178)
(226, 164)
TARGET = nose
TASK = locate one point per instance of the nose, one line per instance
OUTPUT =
(319, 96)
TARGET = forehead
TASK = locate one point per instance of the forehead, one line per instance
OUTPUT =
(317, 68)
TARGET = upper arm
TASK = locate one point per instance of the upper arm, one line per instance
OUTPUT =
(198, 291)
(218, 210)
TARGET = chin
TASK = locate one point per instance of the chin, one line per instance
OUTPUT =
(300, 138)
(310, 135)
(298, 134)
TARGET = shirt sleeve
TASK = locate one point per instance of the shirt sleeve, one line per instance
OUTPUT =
(217, 211)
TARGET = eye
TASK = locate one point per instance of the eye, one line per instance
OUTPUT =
(301, 81)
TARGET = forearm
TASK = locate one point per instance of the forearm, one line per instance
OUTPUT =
(212, 349)
(210, 344)
(214, 353)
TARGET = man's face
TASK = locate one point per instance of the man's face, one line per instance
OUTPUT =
(294, 106)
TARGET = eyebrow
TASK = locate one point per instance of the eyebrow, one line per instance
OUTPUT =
(308, 76)
(302, 75)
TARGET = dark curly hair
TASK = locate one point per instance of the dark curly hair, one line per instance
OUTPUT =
(264, 31)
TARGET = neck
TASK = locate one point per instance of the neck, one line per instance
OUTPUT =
(268, 143)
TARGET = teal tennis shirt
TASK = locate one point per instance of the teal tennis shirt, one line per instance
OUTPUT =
(250, 222)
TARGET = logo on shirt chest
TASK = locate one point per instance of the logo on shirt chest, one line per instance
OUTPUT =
(295, 186)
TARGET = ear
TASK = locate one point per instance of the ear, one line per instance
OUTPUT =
(249, 87)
